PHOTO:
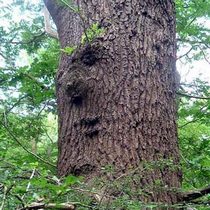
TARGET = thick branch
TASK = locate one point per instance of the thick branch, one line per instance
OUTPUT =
(52, 7)
(196, 194)
(48, 28)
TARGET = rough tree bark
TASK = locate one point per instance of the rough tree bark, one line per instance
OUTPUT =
(116, 95)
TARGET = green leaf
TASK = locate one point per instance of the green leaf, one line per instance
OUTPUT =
(69, 50)
(70, 180)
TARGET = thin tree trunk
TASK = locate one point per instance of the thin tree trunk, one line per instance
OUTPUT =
(116, 96)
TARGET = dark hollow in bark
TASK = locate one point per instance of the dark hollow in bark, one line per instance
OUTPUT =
(131, 84)
(89, 57)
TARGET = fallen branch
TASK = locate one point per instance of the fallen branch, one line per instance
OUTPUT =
(65, 206)
(196, 194)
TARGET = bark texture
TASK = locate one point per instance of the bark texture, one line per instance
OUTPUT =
(116, 96)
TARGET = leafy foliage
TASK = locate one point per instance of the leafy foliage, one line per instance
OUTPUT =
(194, 134)
(92, 32)
(69, 50)
(192, 32)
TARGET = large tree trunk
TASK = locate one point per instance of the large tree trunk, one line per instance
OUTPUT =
(116, 96)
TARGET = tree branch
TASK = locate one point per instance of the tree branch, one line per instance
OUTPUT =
(15, 104)
(3, 56)
(181, 56)
(28, 151)
(196, 194)
(191, 96)
(34, 39)
(205, 57)
(52, 8)
(48, 28)
(36, 81)
(187, 123)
